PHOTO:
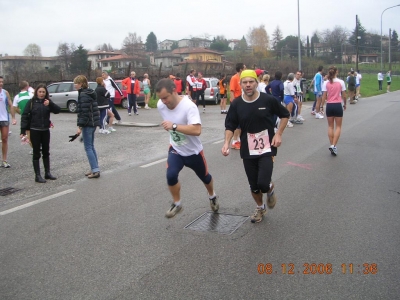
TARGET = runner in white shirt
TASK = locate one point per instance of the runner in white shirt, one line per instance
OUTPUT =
(181, 119)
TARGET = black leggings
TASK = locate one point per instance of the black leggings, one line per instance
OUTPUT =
(259, 172)
(40, 139)
(198, 95)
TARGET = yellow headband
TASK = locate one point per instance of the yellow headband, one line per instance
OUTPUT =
(248, 73)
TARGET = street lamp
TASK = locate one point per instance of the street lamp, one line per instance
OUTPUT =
(381, 31)
(298, 33)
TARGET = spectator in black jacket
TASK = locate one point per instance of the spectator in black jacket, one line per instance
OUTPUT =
(88, 120)
(103, 103)
(36, 118)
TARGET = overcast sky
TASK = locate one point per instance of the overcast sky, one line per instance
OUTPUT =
(94, 22)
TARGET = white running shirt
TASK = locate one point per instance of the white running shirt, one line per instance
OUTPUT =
(185, 113)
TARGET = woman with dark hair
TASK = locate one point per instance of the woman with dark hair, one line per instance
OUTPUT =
(36, 118)
(88, 120)
(334, 93)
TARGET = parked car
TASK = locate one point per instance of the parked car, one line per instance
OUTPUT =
(123, 101)
(64, 94)
(211, 93)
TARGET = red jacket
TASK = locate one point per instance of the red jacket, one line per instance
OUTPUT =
(127, 83)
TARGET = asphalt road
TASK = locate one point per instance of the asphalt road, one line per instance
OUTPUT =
(109, 239)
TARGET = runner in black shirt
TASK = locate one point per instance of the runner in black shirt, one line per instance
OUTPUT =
(253, 112)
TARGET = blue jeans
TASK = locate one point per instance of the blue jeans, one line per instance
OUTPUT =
(88, 141)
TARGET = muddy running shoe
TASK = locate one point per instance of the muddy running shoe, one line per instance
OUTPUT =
(174, 209)
(214, 203)
(258, 215)
(271, 197)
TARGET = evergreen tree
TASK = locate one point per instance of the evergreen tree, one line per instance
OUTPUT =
(151, 42)
(79, 61)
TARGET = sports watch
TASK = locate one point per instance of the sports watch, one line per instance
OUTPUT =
(174, 126)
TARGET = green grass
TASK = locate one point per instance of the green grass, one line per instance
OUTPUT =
(369, 85)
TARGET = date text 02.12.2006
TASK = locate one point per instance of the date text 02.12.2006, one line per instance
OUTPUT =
(320, 268)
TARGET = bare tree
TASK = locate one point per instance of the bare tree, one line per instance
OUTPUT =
(33, 50)
(132, 43)
(277, 36)
(64, 52)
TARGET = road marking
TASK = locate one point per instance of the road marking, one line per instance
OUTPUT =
(218, 142)
(9, 211)
(304, 166)
(154, 163)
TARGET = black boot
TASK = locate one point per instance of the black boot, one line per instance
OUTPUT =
(47, 174)
(36, 167)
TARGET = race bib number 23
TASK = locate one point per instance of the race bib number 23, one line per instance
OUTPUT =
(258, 143)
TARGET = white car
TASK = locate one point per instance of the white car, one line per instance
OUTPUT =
(211, 93)
(65, 95)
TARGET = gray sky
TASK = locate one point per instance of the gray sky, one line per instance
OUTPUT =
(94, 22)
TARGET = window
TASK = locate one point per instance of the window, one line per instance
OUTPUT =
(52, 88)
(105, 64)
(64, 87)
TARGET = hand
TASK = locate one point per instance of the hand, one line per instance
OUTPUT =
(46, 102)
(225, 150)
(276, 140)
(344, 107)
(79, 131)
(167, 125)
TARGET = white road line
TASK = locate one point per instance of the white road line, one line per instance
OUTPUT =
(154, 163)
(218, 142)
(9, 211)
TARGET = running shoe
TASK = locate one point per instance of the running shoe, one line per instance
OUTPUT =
(333, 150)
(111, 129)
(101, 130)
(313, 112)
(136, 113)
(129, 114)
(105, 131)
(119, 122)
(258, 215)
(271, 198)
(297, 121)
(204, 110)
(9, 133)
(214, 203)
(5, 164)
(174, 209)
(289, 124)
(319, 116)
(236, 145)
(146, 107)
(299, 117)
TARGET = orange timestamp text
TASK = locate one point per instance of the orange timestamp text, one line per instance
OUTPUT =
(317, 268)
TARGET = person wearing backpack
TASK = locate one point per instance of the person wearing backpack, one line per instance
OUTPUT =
(351, 87)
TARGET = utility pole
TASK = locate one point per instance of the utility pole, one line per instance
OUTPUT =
(390, 37)
(356, 43)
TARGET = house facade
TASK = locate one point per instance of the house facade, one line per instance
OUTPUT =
(11, 65)
(96, 56)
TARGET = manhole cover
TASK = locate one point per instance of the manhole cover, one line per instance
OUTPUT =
(8, 191)
(215, 222)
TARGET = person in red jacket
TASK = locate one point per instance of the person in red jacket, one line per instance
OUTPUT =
(201, 86)
(133, 89)
(179, 83)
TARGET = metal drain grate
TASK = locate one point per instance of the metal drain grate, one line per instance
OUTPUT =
(215, 222)
(8, 191)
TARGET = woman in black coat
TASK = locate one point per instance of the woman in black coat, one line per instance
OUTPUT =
(88, 120)
(36, 118)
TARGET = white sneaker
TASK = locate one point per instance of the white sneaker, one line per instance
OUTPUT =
(111, 129)
(313, 112)
(289, 124)
(119, 122)
(299, 117)
(105, 131)
(129, 114)
(101, 130)
(319, 116)
(9, 133)
(146, 107)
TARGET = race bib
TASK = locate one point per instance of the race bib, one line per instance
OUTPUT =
(258, 143)
(177, 138)
(199, 85)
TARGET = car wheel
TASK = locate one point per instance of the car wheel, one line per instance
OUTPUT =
(216, 99)
(72, 106)
(124, 103)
